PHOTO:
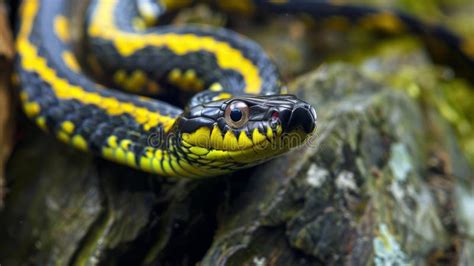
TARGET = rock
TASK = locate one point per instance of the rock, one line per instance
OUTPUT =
(362, 193)
(68, 207)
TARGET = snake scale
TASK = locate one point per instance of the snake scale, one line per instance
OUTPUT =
(237, 116)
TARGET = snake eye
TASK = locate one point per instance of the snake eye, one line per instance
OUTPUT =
(236, 114)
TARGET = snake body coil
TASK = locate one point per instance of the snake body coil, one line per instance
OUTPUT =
(237, 118)
(224, 129)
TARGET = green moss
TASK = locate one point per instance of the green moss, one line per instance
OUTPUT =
(404, 65)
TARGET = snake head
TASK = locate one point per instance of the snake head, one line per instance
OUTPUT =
(235, 133)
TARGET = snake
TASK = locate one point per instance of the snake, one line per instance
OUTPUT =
(237, 114)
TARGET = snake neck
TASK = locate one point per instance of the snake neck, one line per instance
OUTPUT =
(168, 155)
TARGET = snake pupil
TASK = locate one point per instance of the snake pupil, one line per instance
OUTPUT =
(236, 114)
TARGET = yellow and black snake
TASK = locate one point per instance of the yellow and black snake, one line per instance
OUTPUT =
(237, 119)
